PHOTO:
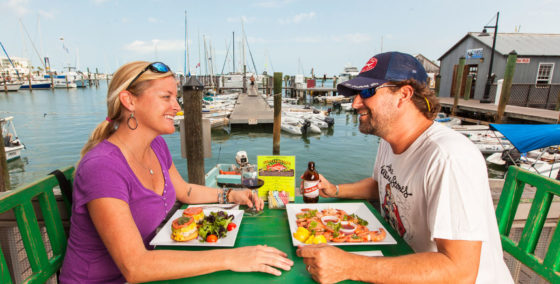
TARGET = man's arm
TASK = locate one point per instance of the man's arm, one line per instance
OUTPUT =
(455, 261)
(363, 189)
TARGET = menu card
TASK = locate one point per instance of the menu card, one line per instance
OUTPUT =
(278, 173)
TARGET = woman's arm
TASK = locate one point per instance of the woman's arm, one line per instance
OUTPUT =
(116, 227)
(193, 193)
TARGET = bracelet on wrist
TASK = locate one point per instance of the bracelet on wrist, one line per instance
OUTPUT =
(337, 190)
(227, 195)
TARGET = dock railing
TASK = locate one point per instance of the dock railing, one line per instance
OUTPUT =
(524, 250)
(39, 230)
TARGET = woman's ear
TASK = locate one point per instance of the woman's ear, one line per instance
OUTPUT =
(127, 100)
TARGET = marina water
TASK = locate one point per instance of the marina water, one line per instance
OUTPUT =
(55, 124)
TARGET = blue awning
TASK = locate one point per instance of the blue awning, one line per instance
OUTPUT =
(527, 137)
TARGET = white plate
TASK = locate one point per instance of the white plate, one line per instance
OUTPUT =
(359, 209)
(163, 237)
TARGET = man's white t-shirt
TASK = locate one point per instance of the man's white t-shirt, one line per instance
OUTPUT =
(438, 188)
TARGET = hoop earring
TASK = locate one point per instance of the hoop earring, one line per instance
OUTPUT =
(135, 121)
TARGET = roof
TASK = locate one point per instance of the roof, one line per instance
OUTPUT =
(524, 44)
(429, 65)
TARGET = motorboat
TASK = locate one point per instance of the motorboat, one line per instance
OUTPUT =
(12, 144)
(536, 147)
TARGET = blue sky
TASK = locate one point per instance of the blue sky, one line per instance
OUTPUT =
(289, 36)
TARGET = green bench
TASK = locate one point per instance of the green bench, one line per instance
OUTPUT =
(21, 203)
(524, 250)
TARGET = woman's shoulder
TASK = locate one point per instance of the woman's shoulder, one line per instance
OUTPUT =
(103, 154)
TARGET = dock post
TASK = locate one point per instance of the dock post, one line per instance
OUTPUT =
(438, 80)
(557, 108)
(5, 84)
(29, 80)
(4, 175)
(506, 87)
(192, 123)
(277, 113)
(459, 80)
(468, 86)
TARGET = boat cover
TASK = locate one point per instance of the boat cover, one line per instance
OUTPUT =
(527, 137)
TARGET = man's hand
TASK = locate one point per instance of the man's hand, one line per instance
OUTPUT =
(326, 263)
(326, 189)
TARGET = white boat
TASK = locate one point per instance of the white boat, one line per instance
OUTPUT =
(10, 87)
(12, 144)
(348, 73)
(536, 148)
(346, 106)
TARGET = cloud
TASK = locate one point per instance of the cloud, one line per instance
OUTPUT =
(100, 1)
(19, 7)
(140, 46)
(352, 38)
(297, 18)
(125, 20)
(245, 19)
(273, 3)
(309, 39)
(152, 20)
(47, 14)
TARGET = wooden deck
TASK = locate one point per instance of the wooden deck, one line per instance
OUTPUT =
(251, 109)
(515, 112)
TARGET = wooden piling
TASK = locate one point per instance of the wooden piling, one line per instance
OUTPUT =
(29, 80)
(192, 123)
(4, 175)
(277, 113)
(468, 86)
(557, 102)
(506, 86)
(438, 80)
(5, 84)
(459, 80)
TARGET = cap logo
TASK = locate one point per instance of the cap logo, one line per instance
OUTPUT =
(369, 65)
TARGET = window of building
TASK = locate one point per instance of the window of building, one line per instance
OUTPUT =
(544, 74)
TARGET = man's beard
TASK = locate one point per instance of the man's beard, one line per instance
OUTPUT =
(377, 125)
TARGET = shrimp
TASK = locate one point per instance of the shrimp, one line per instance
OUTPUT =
(373, 236)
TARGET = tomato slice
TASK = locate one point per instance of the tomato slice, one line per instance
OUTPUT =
(231, 226)
(211, 238)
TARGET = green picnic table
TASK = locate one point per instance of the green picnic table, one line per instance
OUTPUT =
(271, 228)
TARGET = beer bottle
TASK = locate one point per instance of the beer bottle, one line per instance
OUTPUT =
(310, 184)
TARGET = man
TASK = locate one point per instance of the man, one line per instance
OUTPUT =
(431, 182)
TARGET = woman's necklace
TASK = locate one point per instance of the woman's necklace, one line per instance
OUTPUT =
(134, 157)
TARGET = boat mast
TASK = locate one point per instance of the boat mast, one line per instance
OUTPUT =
(187, 61)
(233, 53)
(33, 44)
(19, 78)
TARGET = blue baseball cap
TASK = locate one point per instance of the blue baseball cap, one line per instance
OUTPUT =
(382, 68)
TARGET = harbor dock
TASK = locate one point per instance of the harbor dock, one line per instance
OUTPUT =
(481, 113)
(251, 109)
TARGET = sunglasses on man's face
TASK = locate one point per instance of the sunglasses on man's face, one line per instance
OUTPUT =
(156, 67)
(368, 93)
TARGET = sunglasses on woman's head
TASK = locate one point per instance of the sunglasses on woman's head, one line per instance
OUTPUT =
(368, 93)
(156, 67)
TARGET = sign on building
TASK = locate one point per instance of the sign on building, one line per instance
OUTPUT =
(523, 60)
(474, 53)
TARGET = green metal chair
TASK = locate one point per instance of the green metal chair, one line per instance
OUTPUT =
(20, 202)
(524, 251)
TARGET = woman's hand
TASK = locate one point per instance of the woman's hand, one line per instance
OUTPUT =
(259, 258)
(246, 197)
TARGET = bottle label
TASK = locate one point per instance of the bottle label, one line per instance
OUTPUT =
(311, 188)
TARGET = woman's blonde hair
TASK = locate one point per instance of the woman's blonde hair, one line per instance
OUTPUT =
(120, 81)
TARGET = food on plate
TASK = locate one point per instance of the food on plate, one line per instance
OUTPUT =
(210, 228)
(211, 238)
(183, 229)
(334, 225)
(215, 223)
(196, 212)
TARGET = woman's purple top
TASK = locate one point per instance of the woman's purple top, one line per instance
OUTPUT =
(104, 172)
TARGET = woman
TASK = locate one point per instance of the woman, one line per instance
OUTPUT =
(125, 185)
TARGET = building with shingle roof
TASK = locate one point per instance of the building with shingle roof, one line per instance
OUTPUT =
(538, 57)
